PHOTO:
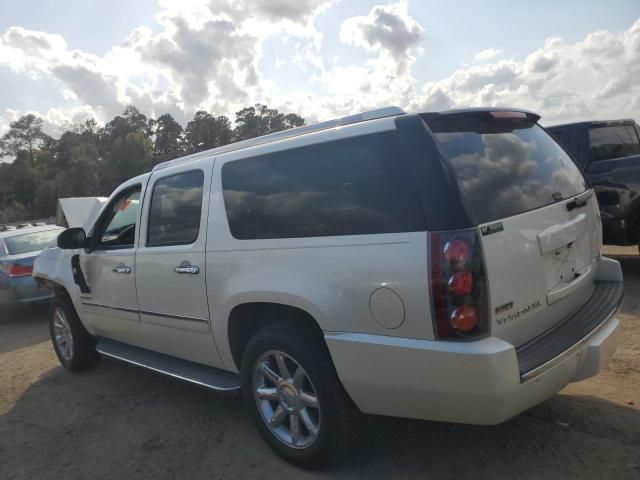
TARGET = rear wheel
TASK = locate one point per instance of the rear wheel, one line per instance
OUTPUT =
(74, 346)
(294, 395)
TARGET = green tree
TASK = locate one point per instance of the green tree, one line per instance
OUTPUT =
(261, 120)
(24, 134)
(6, 184)
(206, 131)
(127, 158)
(88, 160)
(45, 200)
(81, 177)
(168, 139)
(24, 180)
(15, 212)
(124, 148)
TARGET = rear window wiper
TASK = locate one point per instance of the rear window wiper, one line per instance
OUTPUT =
(580, 201)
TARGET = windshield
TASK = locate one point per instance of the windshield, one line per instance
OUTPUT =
(504, 166)
(31, 242)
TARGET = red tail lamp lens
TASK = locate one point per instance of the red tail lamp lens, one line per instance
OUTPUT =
(458, 285)
(461, 283)
(464, 318)
(17, 270)
(456, 251)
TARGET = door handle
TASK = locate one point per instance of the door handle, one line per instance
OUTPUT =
(122, 269)
(191, 269)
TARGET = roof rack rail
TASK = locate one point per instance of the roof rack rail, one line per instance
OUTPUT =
(293, 132)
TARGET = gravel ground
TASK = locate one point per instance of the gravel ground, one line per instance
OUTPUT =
(122, 422)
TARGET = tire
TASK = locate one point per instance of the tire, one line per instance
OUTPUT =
(74, 346)
(335, 418)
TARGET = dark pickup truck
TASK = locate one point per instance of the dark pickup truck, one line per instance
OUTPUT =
(609, 155)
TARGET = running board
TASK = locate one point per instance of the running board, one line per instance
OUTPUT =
(197, 373)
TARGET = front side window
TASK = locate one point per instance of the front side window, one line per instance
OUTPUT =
(31, 242)
(176, 206)
(610, 142)
(354, 186)
(120, 223)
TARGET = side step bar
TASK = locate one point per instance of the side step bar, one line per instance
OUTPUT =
(203, 375)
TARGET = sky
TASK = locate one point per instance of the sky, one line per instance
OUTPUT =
(69, 61)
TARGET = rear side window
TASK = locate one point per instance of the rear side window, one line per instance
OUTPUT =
(31, 242)
(176, 205)
(505, 166)
(355, 186)
(610, 142)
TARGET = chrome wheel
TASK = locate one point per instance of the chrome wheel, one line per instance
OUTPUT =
(62, 336)
(286, 399)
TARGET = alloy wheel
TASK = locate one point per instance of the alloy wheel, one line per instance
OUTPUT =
(286, 399)
(62, 334)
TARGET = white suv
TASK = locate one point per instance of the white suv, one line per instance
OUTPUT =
(442, 266)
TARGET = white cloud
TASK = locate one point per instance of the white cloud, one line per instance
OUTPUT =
(486, 55)
(388, 29)
(592, 78)
(390, 40)
(206, 54)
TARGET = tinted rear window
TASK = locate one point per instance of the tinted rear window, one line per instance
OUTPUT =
(354, 186)
(613, 142)
(505, 167)
(31, 242)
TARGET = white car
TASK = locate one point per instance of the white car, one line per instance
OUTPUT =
(442, 266)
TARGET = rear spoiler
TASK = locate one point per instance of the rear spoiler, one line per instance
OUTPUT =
(504, 113)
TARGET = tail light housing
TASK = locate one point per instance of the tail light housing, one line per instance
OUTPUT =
(18, 270)
(459, 297)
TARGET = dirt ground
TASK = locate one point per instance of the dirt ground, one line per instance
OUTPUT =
(123, 422)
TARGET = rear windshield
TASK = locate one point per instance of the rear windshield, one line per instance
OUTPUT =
(505, 166)
(31, 242)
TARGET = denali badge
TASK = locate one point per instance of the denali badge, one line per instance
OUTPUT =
(518, 313)
(504, 308)
(492, 228)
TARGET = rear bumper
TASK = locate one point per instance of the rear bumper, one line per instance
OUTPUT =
(477, 382)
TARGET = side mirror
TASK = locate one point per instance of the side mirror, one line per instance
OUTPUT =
(72, 239)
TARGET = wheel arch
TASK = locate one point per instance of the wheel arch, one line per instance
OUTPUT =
(245, 319)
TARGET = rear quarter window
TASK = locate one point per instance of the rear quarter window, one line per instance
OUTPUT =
(354, 186)
(610, 142)
(505, 167)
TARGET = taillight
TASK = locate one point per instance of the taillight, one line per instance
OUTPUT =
(18, 270)
(458, 285)
(461, 283)
(464, 318)
(456, 251)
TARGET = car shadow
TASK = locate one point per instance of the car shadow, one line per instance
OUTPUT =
(119, 421)
(22, 327)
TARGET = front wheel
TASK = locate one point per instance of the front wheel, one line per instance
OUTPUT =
(294, 395)
(74, 346)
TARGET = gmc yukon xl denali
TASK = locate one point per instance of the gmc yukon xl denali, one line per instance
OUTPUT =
(442, 266)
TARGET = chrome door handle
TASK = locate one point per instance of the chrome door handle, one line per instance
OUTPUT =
(122, 269)
(191, 269)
